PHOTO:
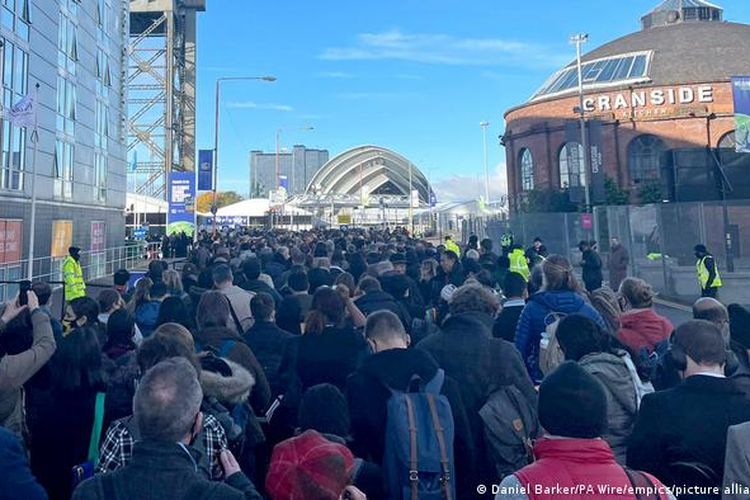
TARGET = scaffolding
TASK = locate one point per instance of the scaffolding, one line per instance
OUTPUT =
(160, 78)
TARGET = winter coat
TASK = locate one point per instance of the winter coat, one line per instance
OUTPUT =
(122, 381)
(257, 286)
(618, 266)
(533, 319)
(507, 321)
(328, 357)
(737, 461)
(641, 328)
(17, 369)
(622, 399)
(570, 463)
(686, 424)
(240, 353)
(381, 301)
(592, 270)
(268, 343)
(368, 392)
(465, 349)
(147, 317)
(164, 470)
(18, 482)
(293, 311)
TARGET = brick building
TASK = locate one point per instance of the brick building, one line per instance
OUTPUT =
(660, 101)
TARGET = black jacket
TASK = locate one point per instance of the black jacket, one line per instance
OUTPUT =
(257, 286)
(163, 470)
(378, 301)
(592, 270)
(686, 424)
(293, 311)
(268, 343)
(465, 349)
(507, 322)
(18, 482)
(367, 391)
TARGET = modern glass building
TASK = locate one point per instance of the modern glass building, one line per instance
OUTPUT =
(73, 50)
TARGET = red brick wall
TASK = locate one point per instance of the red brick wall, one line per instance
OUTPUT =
(540, 127)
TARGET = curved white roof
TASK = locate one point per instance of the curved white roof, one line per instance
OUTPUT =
(376, 169)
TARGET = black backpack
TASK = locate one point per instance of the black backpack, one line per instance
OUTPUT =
(510, 423)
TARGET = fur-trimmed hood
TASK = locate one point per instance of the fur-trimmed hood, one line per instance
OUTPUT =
(233, 389)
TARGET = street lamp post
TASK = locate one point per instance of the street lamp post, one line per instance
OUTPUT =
(484, 126)
(216, 129)
(578, 40)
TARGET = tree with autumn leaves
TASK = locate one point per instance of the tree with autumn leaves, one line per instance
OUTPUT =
(223, 198)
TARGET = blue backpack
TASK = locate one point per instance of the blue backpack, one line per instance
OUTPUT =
(418, 457)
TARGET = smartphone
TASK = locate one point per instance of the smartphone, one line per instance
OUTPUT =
(23, 297)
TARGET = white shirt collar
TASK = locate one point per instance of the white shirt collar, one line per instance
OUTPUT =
(514, 303)
(709, 374)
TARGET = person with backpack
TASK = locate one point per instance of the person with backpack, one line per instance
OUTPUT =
(586, 343)
(391, 369)
(573, 411)
(483, 366)
(215, 334)
(561, 295)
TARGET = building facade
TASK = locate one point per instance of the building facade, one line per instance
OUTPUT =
(659, 113)
(299, 166)
(74, 51)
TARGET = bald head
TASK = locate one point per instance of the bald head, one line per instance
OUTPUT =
(710, 309)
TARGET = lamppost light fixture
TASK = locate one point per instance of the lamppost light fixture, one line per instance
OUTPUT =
(268, 78)
(579, 38)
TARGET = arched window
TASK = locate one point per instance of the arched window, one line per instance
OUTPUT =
(645, 157)
(727, 141)
(571, 166)
(527, 169)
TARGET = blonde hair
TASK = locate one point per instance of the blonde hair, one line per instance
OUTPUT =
(172, 280)
(638, 293)
(178, 332)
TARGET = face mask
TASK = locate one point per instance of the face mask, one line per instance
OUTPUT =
(69, 325)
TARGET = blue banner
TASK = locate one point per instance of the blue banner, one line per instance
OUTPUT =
(284, 182)
(433, 198)
(181, 198)
(741, 94)
(205, 169)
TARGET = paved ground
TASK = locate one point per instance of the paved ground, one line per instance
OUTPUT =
(676, 313)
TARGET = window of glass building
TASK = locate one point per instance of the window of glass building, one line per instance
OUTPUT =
(63, 170)
(100, 177)
(645, 156)
(15, 67)
(15, 17)
(67, 48)
(527, 169)
(66, 106)
(571, 165)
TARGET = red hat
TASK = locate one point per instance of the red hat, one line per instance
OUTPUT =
(309, 467)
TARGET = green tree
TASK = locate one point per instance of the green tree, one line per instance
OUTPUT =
(615, 195)
(548, 200)
(650, 192)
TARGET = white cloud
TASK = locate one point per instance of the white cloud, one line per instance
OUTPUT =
(260, 105)
(444, 49)
(468, 187)
(338, 75)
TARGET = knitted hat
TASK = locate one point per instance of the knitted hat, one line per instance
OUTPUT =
(308, 467)
(572, 403)
(739, 325)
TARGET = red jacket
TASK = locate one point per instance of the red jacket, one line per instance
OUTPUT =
(586, 466)
(643, 328)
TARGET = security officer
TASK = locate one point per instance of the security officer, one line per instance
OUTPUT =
(452, 245)
(73, 275)
(707, 271)
(518, 262)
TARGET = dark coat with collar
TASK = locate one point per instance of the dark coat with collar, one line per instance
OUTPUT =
(465, 349)
(18, 482)
(368, 392)
(686, 424)
(163, 470)
(377, 300)
(268, 343)
(258, 286)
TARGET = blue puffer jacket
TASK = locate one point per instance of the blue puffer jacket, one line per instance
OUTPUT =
(147, 316)
(531, 324)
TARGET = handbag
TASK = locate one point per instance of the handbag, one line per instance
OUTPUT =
(85, 470)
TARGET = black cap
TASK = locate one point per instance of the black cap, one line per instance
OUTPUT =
(398, 258)
(700, 249)
(572, 403)
(72, 250)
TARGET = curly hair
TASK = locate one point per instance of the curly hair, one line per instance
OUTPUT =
(473, 297)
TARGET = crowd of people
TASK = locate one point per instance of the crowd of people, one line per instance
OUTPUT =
(364, 363)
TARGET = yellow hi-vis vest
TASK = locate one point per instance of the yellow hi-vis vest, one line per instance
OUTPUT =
(73, 277)
(519, 264)
(702, 271)
(453, 247)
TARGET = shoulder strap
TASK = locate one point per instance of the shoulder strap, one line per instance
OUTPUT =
(413, 455)
(225, 347)
(237, 322)
(444, 461)
(96, 428)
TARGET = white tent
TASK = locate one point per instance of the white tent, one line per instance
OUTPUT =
(256, 207)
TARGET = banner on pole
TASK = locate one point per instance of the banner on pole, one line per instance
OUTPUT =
(205, 169)
(23, 113)
(741, 95)
(181, 198)
(598, 191)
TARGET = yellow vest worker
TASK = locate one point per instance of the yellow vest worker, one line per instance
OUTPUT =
(707, 271)
(75, 287)
(452, 246)
(519, 264)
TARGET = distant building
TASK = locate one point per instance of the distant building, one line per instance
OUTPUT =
(75, 52)
(299, 166)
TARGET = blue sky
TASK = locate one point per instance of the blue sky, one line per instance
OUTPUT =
(416, 76)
